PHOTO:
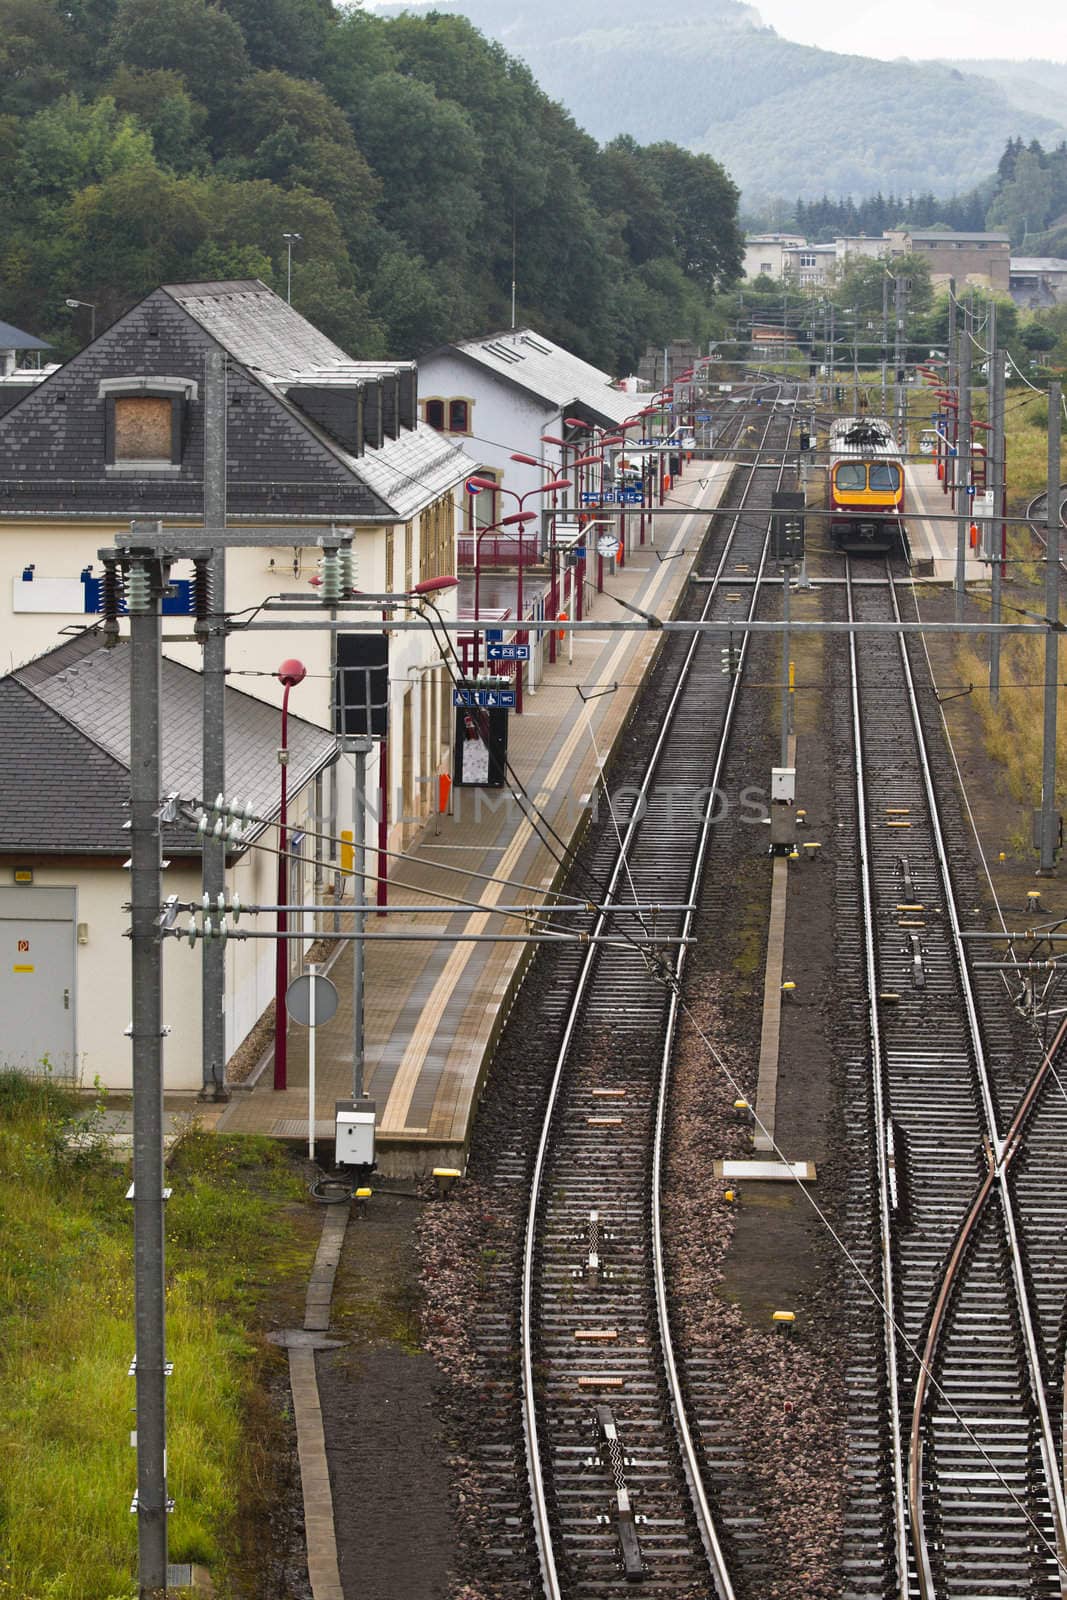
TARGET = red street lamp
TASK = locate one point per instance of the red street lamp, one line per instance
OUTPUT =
(553, 486)
(290, 673)
(517, 519)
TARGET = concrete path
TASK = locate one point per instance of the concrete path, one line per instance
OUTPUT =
(433, 1009)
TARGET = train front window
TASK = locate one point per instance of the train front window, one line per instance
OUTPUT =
(851, 475)
(884, 475)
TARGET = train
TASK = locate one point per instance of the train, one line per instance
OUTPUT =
(866, 487)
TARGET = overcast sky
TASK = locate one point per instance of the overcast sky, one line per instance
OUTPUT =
(921, 28)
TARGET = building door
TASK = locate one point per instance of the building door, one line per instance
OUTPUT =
(37, 1020)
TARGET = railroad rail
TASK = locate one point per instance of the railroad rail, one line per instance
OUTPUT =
(617, 1484)
(956, 1408)
(1037, 510)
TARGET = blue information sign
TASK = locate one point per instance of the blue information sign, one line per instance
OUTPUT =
(494, 635)
(488, 699)
(508, 652)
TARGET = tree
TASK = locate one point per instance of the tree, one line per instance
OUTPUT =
(134, 230)
(162, 104)
(626, 189)
(291, 132)
(1023, 206)
(1036, 337)
(861, 284)
(291, 34)
(38, 49)
(429, 161)
(71, 144)
(702, 203)
(202, 43)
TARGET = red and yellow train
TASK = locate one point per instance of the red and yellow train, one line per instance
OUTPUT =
(866, 489)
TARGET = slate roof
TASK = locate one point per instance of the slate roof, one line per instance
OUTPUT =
(12, 338)
(64, 750)
(281, 463)
(1038, 264)
(544, 369)
(936, 235)
(281, 347)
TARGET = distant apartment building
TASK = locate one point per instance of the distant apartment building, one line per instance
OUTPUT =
(981, 259)
(766, 254)
(873, 247)
(788, 258)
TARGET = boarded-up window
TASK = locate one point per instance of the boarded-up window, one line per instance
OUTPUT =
(143, 428)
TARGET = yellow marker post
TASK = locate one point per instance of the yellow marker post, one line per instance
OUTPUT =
(348, 853)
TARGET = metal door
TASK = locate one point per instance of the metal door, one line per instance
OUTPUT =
(37, 1021)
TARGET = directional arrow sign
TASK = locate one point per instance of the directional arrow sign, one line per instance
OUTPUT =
(508, 652)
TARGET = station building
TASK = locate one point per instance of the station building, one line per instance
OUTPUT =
(314, 438)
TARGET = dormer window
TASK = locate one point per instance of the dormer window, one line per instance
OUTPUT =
(143, 419)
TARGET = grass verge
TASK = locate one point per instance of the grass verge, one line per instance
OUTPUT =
(67, 1472)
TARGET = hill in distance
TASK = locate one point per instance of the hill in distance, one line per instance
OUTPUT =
(1039, 86)
(784, 119)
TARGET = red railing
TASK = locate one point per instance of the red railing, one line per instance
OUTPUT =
(496, 551)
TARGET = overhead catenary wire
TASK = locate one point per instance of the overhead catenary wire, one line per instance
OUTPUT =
(862, 1278)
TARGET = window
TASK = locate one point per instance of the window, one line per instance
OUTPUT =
(459, 416)
(808, 261)
(766, 269)
(142, 429)
(884, 475)
(483, 507)
(851, 475)
(435, 541)
(143, 422)
(433, 412)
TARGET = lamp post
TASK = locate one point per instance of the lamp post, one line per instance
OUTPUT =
(553, 486)
(517, 519)
(88, 306)
(290, 240)
(290, 673)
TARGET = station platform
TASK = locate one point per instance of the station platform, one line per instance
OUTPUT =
(933, 544)
(433, 1009)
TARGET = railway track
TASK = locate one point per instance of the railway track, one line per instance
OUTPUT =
(616, 1467)
(955, 1470)
(1037, 511)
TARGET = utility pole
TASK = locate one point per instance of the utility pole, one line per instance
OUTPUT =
(1049, 820)
(998, 484)
(361, 749)
(898, 389)
(144, 583)
(885, 337)
(787, 576)
(964, 507)
(213, 638)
